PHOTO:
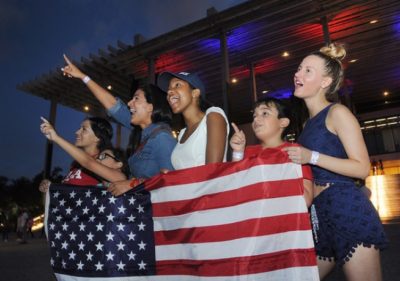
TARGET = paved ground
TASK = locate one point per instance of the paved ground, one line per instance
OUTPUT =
(30, 262)
(25, 262)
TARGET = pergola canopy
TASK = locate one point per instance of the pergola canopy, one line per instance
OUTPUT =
(257, 34)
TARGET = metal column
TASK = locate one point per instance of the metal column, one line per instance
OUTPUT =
(225, 72)
(253, 84)
(151, 75)
(49, 144)
(325, 29)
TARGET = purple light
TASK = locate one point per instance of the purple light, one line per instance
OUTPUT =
(283, 93)
(348, 86)
(237, 39)
(396, 25)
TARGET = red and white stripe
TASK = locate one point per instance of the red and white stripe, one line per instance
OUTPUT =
(231, 222)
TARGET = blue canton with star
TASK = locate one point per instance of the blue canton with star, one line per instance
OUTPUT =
(94, 234)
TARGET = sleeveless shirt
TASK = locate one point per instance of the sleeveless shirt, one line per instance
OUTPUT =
(316, 136)
(192, 152)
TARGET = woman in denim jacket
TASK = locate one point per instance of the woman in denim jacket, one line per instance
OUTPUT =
(149, 112)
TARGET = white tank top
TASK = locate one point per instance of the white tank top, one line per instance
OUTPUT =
(192, 152)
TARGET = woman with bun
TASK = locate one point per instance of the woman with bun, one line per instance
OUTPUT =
(347, 229)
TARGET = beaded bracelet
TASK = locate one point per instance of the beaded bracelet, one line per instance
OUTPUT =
(135, 181)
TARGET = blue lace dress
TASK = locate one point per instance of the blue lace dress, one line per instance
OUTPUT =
(342, 216)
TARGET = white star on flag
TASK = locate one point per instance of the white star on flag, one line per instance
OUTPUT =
(72, 255)
(121, 210)
(99, 246)
(140, 209)
(110, 217)
(110, 256)
(89, 256)
(99, 266)
(72, 236)
(142, 245)
(120, 246)
(99, 226)
(80, 265)
(110, 236)
(120, 265)
(68, 211)
(131, 236)
(142, 265)
(141, 226)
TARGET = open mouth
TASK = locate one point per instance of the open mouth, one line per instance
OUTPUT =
(173, 100)
(297, 83)
(256, 126)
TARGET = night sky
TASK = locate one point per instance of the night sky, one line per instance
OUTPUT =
(33, 37)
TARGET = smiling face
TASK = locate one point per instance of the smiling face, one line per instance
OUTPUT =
(140, 109)
(85, 137)
(267, 126)
(310, 79)
(180, 95)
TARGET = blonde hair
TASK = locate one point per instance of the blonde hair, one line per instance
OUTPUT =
(335, 51)
(332, 56)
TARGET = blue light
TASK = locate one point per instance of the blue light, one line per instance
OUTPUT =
(347, 88)
(283, 93)
(237, 39)
(396, 25)
(211, 45)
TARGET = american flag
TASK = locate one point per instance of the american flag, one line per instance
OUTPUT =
(229, 221)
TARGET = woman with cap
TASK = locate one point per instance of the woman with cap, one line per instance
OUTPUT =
(149, 112)
(204, 139)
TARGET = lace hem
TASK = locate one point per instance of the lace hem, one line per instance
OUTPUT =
(352, 250)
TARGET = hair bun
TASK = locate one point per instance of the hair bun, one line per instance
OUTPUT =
(335, 51)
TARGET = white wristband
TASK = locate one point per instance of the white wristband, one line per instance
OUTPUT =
(86, 79)
(237, 155)
(314, 157)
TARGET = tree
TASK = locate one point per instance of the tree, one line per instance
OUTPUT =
(24, 192)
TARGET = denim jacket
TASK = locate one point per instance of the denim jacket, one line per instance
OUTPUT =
(156, 153)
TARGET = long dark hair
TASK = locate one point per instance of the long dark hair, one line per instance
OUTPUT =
(103, 130)
(120, 156)
(161, 111)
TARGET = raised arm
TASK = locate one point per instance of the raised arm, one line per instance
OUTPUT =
(84, 159)
(216, 138)
(237, 143)
(104, 96)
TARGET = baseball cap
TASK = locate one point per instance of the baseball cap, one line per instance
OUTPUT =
(192, 78)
